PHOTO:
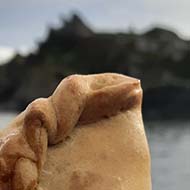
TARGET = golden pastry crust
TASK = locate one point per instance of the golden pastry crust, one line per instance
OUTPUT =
(77, 100)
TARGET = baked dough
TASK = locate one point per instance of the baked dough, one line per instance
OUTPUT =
(88, 135)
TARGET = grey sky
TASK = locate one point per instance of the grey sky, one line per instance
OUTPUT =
(23, 23)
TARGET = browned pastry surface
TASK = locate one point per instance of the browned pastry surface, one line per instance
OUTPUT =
(94, 102)
(110, 154)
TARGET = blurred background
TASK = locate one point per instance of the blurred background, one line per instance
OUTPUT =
(43, 41)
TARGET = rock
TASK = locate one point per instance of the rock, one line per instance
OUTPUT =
(158, 57)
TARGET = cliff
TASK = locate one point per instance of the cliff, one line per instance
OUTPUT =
(158, 57)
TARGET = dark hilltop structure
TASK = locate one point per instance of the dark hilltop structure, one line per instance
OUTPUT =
(158, 57)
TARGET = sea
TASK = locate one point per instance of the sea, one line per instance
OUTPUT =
(170, 152)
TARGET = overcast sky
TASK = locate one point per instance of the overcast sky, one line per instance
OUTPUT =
(23, 23)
